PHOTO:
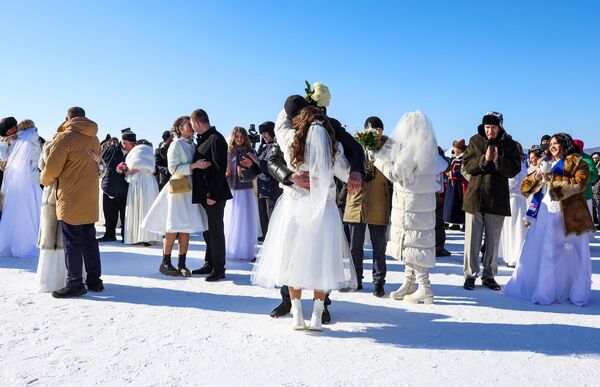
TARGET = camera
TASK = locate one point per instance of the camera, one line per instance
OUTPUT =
(253, 135)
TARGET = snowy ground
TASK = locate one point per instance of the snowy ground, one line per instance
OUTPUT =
(147, 329)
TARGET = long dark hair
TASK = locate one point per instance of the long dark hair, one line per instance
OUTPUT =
(301, 123)
(566, 144)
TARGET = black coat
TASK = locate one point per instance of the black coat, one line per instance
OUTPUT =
(488, 186)
(352, 149)
(114, 183)
(210, 183)
(162, 166)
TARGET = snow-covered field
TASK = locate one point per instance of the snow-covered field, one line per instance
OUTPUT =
(148, 329)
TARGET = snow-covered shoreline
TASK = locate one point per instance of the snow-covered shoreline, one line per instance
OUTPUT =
(148, 329)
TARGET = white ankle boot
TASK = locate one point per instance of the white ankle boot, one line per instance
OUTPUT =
(424, 294)
(297, 317)
(315, 320)
(409, 286)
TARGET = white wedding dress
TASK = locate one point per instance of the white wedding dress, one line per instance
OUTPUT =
(172, 213)
(305, 247)
(142, 192)
(22, 198)
(513, 233)
(553, 267)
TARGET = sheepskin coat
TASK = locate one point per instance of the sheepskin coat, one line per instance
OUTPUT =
(569, 190)
(50, 235)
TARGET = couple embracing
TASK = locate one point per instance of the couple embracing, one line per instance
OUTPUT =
(196, 196)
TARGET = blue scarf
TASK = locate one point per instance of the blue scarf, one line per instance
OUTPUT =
(534, 207)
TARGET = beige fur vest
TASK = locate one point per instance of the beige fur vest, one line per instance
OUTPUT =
(50, 235)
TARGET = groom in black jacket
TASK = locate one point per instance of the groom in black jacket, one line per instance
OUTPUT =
(210, 188)
(280, 171)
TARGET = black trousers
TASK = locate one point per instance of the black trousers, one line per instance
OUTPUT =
(440, 232)
(81, 247)
(114, 209)
(265, 209)
(215, 236)
(378, 240)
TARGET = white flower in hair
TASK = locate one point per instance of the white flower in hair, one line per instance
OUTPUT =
(321, 94)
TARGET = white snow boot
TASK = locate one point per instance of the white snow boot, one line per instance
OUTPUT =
(297, 317)
(409, 286)
(424, 294)
(315, 320)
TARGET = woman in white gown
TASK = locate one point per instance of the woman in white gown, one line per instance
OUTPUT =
(555, 263)
(22, 195)
(513, 233)
(142, 192)
(51, 273)
(305, 247)
(173, 214)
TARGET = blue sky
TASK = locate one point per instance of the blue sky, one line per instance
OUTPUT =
(141, 64)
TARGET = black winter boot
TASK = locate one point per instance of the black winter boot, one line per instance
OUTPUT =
(166, 267)
(183, 270)
(282, 309)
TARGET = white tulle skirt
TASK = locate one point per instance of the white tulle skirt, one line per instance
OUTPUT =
(513, 233)
(172, 213)
(241, 225)
(301, 258)
(552, 267)
(51, 272)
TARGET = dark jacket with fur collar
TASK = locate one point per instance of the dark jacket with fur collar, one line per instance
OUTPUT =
(488, 186)
(568, 189)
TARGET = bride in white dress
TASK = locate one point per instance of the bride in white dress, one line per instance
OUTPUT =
(142, 192)
(305, 247)
(22, 195)
(173, 214)
(555, 263)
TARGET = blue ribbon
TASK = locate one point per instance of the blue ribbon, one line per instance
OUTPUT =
(534, 207)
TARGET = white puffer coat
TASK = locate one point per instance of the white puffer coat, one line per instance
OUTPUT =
(412, 233)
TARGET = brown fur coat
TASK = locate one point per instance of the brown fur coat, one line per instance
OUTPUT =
(568, 189)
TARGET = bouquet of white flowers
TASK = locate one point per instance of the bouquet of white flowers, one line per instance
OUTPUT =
(318, 94)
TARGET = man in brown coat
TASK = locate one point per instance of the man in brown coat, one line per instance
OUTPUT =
(491, 159)
(76, 175)
(370, 207)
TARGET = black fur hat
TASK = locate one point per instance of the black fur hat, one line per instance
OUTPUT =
(267, 126)
(128, 135)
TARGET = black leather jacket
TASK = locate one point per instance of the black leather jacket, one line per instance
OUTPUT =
(353, 150)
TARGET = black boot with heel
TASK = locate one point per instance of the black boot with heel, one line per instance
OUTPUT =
(183, 270)
(166, 267)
